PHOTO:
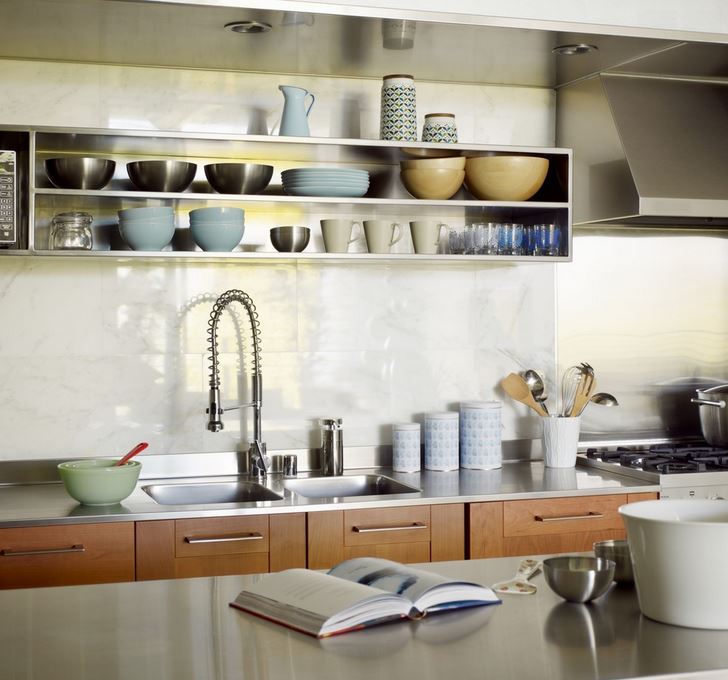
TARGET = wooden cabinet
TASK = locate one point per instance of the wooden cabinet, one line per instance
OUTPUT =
(63, 554)
(545, 525)
(218, 546)
(418, 533)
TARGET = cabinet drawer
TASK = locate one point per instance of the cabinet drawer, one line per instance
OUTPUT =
(221, 536)
(562, 515)
(66, 555)
(377, 526)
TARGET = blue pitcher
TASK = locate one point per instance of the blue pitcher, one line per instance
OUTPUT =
(294, 122)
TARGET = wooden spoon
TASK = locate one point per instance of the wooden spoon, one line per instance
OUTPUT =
(517, 388)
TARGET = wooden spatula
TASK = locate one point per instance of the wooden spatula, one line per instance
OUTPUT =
(517, 388)
(587, 387)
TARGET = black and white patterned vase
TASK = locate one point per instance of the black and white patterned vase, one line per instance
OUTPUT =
(399, 109)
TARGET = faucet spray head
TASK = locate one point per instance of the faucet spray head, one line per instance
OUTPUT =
(214, 412)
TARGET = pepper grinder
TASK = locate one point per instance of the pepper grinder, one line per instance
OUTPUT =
(332, 450)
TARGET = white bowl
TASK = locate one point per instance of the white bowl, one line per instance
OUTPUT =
(679, 551)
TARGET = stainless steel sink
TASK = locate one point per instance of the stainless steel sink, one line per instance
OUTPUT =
(210, 492)
(348, 485)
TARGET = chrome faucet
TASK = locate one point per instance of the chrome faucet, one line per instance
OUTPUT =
(256, 462)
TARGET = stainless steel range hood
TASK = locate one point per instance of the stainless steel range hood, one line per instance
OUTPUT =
(647, 150)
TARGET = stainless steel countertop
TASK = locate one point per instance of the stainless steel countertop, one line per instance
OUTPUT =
(184, 629)
(48, 503)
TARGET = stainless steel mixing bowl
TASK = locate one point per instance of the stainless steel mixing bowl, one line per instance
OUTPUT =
(618, 552)
(79, 172)
(290, 239)
(578, 579)
(172, 176)
(238, 178)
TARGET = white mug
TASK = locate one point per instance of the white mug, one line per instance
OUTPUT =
(426, 235)
(337, 234)
(381, 235)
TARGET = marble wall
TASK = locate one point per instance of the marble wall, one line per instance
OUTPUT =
(97, 355)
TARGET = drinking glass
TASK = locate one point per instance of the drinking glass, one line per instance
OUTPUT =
(468, 240)
(480, 239)
(455, 241)
(510, 239)
(547, 239)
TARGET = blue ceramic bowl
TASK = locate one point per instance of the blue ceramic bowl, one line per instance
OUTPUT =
(217, 236)
(217, 214)
(146, 213)
(147, 235)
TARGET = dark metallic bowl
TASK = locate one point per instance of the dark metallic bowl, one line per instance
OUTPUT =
(238, 178)
(290, 239)
(172, 176)
(578, 579)
(79, 172)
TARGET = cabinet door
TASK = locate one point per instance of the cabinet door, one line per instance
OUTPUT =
(218, 546)
(59, 555)
(546, 525)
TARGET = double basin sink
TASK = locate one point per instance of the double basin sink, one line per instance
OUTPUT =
(240, 491)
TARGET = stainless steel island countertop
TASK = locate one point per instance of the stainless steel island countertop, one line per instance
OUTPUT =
(31, 504)
(185, 630)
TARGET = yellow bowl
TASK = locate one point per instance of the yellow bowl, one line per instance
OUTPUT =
(505, 178)
(436, 184)
(453, 163)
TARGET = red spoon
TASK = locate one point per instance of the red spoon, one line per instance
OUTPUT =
(137, 449)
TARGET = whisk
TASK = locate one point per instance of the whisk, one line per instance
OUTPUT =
(569, 386)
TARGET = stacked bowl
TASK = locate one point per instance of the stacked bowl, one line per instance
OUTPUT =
(147, 228)
(338, 182)
(433, 178)
(217, 229)
(505, 178)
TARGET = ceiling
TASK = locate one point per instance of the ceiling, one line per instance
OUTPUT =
(193, 36)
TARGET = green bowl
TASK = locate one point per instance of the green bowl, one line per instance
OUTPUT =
(99, 482)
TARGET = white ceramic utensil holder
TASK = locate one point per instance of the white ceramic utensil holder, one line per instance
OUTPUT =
(480, 435)
(560, 441)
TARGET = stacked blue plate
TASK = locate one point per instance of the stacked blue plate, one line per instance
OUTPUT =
(338, 182)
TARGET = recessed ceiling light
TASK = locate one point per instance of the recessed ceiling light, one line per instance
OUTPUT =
(248, 27)
(571, 50)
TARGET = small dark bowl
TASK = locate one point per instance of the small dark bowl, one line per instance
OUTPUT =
(171, 176)
(79, 172)
(290, 239)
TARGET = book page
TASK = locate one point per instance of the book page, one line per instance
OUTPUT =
(424, 589)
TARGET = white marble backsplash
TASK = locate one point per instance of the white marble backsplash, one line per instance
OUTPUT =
(97, 355)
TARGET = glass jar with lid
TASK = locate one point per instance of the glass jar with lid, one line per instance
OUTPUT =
(71, 231)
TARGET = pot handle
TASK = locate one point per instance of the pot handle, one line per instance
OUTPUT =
(708, 402)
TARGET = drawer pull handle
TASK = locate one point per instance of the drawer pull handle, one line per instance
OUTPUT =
(406, 527)
(252, 536)
(77, 548)
(564, 518)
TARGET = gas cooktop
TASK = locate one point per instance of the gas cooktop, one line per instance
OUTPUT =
(683, 470)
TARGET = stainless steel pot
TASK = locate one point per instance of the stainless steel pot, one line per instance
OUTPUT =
(713, 406)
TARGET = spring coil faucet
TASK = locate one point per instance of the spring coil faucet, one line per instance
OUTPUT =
(257, 451)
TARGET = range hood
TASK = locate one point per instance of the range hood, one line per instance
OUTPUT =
(647, 150)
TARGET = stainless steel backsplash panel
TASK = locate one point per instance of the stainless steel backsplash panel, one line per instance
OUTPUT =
(649, 310)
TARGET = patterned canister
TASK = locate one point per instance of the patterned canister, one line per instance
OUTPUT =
(441, 441)
(399, 109)
(440, 127)
(406, 447)
(480, 435)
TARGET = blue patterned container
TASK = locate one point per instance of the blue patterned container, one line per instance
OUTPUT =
(480, 435)
(406, 447)
(399, 109)
(440, 127)
(441, 441)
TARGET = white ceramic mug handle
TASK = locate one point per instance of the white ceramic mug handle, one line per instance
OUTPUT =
(359, 234)
(396, 229)
(440, 233)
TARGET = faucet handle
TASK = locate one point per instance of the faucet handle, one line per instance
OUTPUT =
(259, 461)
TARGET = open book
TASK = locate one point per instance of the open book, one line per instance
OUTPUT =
(355, 594)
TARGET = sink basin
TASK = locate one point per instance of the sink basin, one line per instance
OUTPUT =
(349, 485)
(210, 492)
